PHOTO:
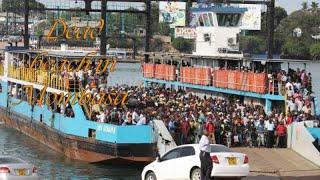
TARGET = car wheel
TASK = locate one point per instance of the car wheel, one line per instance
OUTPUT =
(196, 174)
(151, 176)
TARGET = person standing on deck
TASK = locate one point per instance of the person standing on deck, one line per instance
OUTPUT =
(205, 159)
(210, 130)
(270, 138)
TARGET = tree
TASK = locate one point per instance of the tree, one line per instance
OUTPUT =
(164, 29)
(253, 44)
(314, 6)
(182, 45)
(17, 6)
(156, 45)
(154, 18)
(296, 49)
(304, 5)
(279, 14)
(315, 51)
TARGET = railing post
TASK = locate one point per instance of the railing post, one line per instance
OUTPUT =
(268, 105)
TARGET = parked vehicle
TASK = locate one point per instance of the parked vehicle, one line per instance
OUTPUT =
(15, 168)
(183, 162)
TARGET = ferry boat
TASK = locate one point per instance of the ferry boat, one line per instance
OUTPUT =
(217, 67)
(73, 134)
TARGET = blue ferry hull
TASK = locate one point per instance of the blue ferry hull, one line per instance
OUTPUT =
(70, 136)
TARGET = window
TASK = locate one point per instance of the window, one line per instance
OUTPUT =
(219, 148)
(207, 37)
(201, 21)
(228, 20)
(187, 151)
(171, 155)
(194, 20)
(206, 20)
(92, 133)
(211, 18)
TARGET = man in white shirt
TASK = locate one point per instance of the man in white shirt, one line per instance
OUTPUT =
(101, 117)
(205, 159)
(289, 88)
(142, 120)
(270, 128)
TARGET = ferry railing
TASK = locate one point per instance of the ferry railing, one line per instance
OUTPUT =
(1, 69)
(45, 78)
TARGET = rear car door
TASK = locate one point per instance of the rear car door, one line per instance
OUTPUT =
(167, 167)
(187, 160)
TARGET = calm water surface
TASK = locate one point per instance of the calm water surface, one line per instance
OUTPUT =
(53, 165)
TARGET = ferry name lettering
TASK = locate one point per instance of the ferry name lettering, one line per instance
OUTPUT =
(107, 129)
(82, 98)
(73, 66)
(74, 32)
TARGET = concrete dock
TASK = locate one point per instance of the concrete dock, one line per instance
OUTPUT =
(279, 164)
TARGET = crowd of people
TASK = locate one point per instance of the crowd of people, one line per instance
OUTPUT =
(296, 85)
(186, 115)
(228, 121)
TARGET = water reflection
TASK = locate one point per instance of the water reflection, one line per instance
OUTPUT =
(53, 165)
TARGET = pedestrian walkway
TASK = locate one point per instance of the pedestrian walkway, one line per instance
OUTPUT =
(283, 163)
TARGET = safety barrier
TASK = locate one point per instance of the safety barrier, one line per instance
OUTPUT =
(165, 72)
(148, 70)
(221, 78)
(242, 79)
(231, 79)
(196, 75)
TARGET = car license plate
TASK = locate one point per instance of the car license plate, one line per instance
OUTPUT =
(232, 161)
(21, 172)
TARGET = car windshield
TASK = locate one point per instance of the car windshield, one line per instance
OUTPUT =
(9, 160)
(218, 148)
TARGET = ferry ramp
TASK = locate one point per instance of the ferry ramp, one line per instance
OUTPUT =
(279, 164)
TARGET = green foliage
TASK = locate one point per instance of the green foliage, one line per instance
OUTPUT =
(17, 6)
(253, 44)
(295, 48)
(182, 45)
(304, 5)
(156, 45)
(164, 29)
(314, 6)
(315, 50)
(279, 14)
(308, 21)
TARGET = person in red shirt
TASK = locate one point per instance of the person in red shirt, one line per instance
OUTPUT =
(185, 128)
(281, 132)
(210, 130)
(289, 119)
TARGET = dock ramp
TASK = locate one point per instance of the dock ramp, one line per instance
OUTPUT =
(163, 137)
(301, 141)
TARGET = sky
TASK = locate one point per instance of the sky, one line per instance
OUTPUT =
(293, 5)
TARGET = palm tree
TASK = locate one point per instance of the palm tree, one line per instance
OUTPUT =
(314, 6)
(304, 5)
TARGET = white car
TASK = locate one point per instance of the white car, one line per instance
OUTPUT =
(12, 168)
(183, 162)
